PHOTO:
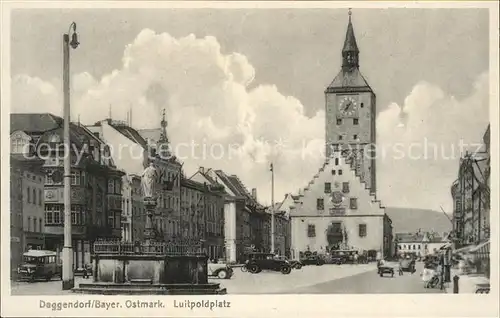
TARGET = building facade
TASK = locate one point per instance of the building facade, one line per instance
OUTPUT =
(27, 201)
(336, 211)
(132, 153)
(339, 208)
(420, 244)
(95, 200)
(471, 197)
(202, 215)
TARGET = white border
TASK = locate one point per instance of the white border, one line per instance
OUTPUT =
(262, 305)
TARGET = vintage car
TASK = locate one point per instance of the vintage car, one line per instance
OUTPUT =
(407, 265)
(222, 271)
(296, 264)
(313, 260)
(39, 264)
(340, 257)
(386, 267)
(265, 261)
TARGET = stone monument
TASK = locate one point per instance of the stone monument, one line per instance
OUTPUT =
(177, 267)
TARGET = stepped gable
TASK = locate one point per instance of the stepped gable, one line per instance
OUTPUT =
(348, 175)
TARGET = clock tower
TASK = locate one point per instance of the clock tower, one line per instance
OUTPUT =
(351, 114)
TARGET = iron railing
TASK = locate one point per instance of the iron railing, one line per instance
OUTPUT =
(170, 247)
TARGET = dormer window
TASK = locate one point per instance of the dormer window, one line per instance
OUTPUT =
(19, 142)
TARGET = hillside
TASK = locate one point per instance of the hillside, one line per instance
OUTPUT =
(410, 220)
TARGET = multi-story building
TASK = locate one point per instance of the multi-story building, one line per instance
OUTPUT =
(202, 215)
(339, 207)
(420, 244)
(237, 220)
(95, 183)
(283, 226)
(132, 153)
(471, 197)
(27, 201)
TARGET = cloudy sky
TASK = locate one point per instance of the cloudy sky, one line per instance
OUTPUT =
(255, 78)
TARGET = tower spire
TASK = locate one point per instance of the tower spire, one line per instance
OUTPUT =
(350, 51)
(163, 143)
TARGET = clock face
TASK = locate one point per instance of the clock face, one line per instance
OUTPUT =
(348, 106)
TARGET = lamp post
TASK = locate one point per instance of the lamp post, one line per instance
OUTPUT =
(272, 208)
(68, 281)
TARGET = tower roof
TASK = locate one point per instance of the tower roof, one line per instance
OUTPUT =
(349, 78)
(350, 44)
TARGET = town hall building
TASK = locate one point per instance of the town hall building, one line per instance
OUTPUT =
(339, 209)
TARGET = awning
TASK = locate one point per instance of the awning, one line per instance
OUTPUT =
(481, 249)
(463, 250)
(446, 246)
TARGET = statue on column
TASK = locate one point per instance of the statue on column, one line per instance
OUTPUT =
(148, 181)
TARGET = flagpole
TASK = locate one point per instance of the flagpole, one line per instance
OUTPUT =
(272, 208)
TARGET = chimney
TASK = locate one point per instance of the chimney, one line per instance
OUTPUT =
(254, 194)
(201, 170)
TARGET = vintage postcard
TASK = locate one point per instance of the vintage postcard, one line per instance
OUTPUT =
(249, 159)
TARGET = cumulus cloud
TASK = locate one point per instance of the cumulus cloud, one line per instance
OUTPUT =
(216, 120)
(420, 142)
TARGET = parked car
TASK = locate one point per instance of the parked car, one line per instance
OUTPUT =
(408, 265)
(265, 261)
(222, 271)
(386, 267)
(296, 264)
(313, 260)
(39, 264)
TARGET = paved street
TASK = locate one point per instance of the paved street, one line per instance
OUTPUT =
(370, 282)
(275, 282)
(345, 279)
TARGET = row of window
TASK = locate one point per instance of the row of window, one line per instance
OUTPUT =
(34, 224)
(77, 178)
(33, 177)
(19, 146)
(345, 187)
(31, 196)
(320, 204)
(311, 230)
(54, 214)
(355, 121)
(411, 246)
(354, 137)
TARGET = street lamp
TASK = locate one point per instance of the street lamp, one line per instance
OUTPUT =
(68, 281)
(272, 207)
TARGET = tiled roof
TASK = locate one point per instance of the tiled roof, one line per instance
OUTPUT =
(350, 40)
(409, 237)
(229, 183)
(349, 79)
(130, 133)
(153, 134)
(243, 190)
(34, 123)
(41, 125)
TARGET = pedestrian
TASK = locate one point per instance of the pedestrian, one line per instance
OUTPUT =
(427, 274)
(85, 273)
